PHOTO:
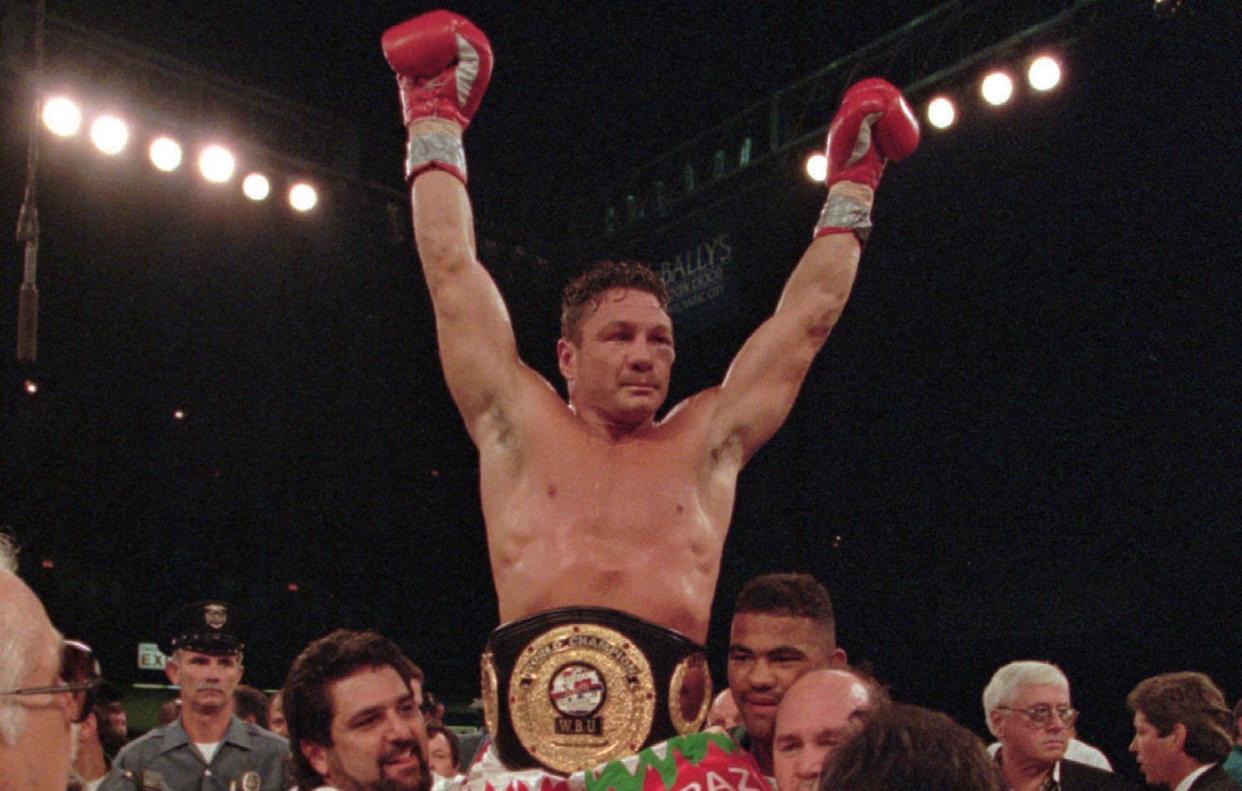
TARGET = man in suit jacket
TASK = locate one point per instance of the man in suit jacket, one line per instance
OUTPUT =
(1181, 732)
(1027, 705)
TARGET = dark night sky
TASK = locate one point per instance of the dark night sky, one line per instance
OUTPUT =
(1025, 430)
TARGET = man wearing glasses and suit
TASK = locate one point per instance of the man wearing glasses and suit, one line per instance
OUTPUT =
(46, 685)
(1027, 705)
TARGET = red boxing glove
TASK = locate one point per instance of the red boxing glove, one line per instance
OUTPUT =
(443, 64)
(873, 126)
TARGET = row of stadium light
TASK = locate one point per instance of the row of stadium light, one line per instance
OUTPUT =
(110, 135)
(996, 88)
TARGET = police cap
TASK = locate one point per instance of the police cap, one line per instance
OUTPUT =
(209, 627)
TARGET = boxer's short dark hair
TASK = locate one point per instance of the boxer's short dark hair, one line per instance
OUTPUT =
(1193, 700)
(305, 700)
(586, 290)
(796, 595)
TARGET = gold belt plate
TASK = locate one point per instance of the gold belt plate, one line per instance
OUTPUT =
(581, 694)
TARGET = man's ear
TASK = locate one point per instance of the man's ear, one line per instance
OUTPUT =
(838, 659)
(994, 720)
(565, 357)
(316, 755)
(1178, 733)
(172, 671)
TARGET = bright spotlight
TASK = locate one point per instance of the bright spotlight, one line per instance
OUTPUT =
(165, 154)
(997, 88)
(62, 116)
(302, 196)
(109, 134)
(1044, 73)
(256, 186)
(216, 164)
(940, 112)
(817, 167)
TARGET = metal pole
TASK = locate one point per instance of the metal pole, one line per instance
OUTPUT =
(28, 219)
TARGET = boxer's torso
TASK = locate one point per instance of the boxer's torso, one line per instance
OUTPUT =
(575, 518)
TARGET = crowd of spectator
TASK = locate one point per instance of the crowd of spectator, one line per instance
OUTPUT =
(353, 714)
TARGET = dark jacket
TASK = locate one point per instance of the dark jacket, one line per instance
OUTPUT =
(1214, 779)
(1080, 777)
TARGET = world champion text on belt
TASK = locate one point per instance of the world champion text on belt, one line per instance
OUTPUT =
(581, 694)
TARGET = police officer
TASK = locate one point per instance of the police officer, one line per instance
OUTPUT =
(207, 748)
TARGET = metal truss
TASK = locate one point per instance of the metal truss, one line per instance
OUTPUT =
(924, 55)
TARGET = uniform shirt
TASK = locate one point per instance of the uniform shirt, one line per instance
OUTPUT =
(249, 756)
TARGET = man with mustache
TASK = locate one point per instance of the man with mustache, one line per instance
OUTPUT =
(353, 719)
(1027, 705)
(207, 747)
(606, 525)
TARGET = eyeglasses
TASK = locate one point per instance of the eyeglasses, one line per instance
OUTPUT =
(1041, 715)
(80, 677)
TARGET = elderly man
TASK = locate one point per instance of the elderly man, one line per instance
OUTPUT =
(1181, 732)
(1027, 706)
(783, 627)
(821, 711)
(46, 685)
(353, 719)
(207, 746)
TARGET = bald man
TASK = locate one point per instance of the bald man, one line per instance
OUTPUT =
(819, 712)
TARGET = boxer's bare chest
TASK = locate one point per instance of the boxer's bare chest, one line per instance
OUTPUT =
(637, 524)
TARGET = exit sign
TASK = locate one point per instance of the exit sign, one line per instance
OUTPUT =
(149, 657)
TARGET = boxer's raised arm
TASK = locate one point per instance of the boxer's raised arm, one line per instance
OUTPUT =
(477, 348)
(873, 125)
(443, 64)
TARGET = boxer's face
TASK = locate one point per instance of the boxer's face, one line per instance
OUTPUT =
(619, 366)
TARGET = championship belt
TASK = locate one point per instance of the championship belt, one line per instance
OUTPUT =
(571, 688)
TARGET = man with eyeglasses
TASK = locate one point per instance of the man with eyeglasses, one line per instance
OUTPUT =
(1027, 705)
(45, 687)
(207, 748)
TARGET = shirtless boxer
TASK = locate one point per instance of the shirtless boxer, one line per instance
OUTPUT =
(594, 510)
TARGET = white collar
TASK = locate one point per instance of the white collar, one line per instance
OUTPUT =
(1193, 776)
